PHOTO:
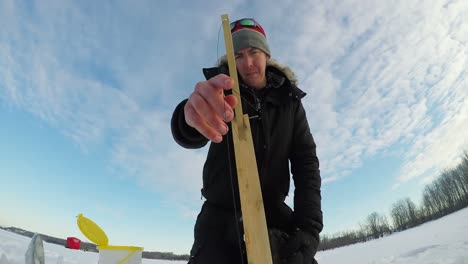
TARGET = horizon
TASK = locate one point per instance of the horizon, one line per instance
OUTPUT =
(87, 91)
(439, 241)
(65, 238)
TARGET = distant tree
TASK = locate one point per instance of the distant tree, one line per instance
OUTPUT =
(460, 177)
(384, 227)
(377, 225)
(435, 197)
(447, 193)
(412, 214)
(399, 215)
(341, 239)
(459, 188)
(427, 209)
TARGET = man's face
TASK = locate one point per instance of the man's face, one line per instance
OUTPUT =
(251, 64)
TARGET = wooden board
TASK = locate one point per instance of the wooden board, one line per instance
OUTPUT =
(253, 212)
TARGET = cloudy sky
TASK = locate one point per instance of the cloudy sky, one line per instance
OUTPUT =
(87, 90)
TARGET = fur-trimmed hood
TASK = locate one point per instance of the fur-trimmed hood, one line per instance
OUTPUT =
(288, 73)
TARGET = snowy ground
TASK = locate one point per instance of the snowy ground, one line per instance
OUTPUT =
(441, 241)
(14, 247)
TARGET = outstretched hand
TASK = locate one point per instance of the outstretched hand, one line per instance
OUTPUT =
(208, 110)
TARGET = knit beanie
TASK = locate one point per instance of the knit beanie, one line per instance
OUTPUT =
(249, 37)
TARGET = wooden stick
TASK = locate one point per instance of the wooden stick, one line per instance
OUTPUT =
(253, 212)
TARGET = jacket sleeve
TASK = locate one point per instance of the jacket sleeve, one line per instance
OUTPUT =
(183, 134)
(306, 175)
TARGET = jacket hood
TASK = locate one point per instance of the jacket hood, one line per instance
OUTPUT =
(273, 63)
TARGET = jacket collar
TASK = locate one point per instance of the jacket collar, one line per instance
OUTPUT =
(272, 64)
(278, 76)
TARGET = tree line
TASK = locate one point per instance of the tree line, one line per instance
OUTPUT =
(446, 194)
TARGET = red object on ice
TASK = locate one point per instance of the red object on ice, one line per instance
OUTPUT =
(73, 243)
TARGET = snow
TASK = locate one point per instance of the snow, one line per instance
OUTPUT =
(13, 247)
(441, 241)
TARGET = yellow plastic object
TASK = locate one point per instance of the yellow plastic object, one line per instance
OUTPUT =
(92, 231)
(131, 248)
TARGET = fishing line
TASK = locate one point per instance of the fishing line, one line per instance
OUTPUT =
(217, 43)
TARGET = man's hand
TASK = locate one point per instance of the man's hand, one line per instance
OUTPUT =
(299, 248)
(208, 110)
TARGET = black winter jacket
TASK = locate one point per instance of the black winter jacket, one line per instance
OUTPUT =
(281, 137)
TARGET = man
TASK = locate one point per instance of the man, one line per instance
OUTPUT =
(281, 137)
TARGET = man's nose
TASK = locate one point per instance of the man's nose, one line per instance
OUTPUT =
(248, 61)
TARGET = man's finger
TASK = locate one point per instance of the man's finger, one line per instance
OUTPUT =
(213, 95)
(209, 115)
(196, 121)
(221, 81)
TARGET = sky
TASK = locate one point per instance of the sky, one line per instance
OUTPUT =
(87, 90)
(443, 241)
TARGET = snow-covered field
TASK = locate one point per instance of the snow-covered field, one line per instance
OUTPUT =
(443, 241)
(14, 247)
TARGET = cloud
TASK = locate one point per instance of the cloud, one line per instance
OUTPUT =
(377, 75)
(109, 75)
(146, 152)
